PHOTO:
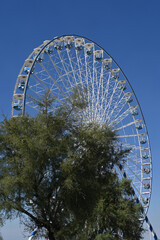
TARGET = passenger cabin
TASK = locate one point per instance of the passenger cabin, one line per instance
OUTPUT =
(58, 43)
(146, 170)
(145, 156)
(121, 84)
(89, 48)
(18, 99)
(79, 43)
(128, 97)
(98, 55)
(17, 107)
(115, 73)
(139, 126)
(134, 110)
(38, 58)
(143, 140)
(22, 82)
(107, 63)
(145, 200)
(49, 48)
(147, 186)
(28, 66)
(68, 42)
(21, 85)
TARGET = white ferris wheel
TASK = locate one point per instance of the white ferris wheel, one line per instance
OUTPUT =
(71, 61)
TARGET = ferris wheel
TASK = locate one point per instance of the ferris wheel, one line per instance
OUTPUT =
(72, 61)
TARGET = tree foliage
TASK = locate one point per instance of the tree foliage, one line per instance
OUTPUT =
(57, 172)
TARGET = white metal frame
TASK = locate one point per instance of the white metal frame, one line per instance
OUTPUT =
(83, 63)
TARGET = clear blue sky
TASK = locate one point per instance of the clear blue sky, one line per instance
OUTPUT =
(128, 30)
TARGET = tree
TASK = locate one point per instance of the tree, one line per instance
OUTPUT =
(57, 173)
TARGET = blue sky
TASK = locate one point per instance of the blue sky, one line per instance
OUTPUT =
(127, 30)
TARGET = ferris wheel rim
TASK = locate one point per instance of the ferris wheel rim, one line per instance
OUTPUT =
(139, 107)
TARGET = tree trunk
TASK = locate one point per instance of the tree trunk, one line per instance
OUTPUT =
(51, 235)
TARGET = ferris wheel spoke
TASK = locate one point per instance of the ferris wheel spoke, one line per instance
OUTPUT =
(102, 97)
(106, 94)
(138, 178)
(91, 86)
(87, 85)
(60, 74)
(139, 158)
(135, 162)
(80, 70)
(39, 103)
(73, 69)
(113, 104)
(136, 148)
(40, 82)
(98, 86)
(54, 81)
(119, 105)
(111, 99)
(33, 107)
(126, 125)
(82, 81)
(45, 87)
(30, 88)
(34, 100)
(136, 156)
(127, 135)
(119, 109)
(66, 69)
(92, 79)
(99, 106)
(121, 117)
(132, 144)
(81, 59)
(116, 105)
(134, 186)
(84, 69)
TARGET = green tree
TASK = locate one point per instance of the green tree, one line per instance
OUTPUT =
(56, 173)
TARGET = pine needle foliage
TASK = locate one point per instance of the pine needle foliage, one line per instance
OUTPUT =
(57, 173)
